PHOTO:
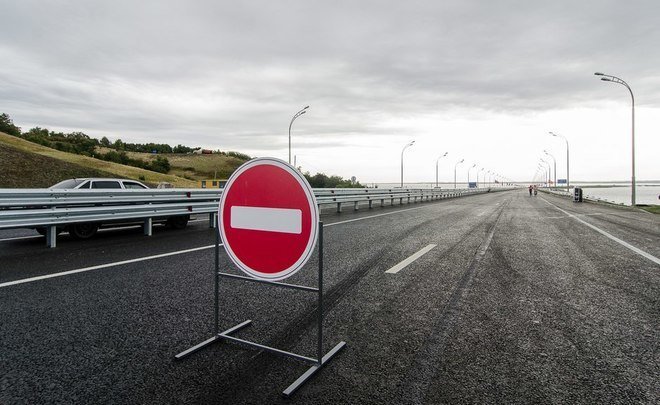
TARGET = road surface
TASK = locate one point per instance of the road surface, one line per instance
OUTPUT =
(498, 297)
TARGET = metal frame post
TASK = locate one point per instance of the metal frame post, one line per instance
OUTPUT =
(147, 227)
(51, 236)
(317, 363)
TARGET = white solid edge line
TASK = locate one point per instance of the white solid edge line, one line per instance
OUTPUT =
(411, 259)
(102, 266)
(614, 238)
(65, 273)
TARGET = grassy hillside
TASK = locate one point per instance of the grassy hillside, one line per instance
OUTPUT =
(192, 166)
(28, 170)
(27, 164)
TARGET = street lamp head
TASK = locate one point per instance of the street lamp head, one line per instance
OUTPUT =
(606, 79)
(599, 74)
(462, 160)
(411, 143)
(306, 107)
(445, 154)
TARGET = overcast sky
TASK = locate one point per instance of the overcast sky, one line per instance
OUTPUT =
(482, 80)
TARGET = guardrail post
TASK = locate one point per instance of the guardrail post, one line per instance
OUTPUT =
(213, 220)
(371, 202)
(51, 236)
(148, 226)
(355, 206)
(382, 202)
(338, 207)
(401, 201)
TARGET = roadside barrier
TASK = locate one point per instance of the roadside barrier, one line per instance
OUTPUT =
(49, 209)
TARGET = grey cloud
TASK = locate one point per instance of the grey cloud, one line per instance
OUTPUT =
(251, 64)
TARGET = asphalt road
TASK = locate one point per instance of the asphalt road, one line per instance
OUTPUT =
(522, 300)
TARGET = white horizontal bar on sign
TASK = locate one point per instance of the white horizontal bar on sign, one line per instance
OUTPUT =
(282, 220)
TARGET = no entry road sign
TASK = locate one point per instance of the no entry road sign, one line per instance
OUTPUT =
(268, 219)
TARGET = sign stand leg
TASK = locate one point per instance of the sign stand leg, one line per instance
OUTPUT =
(317, 362)
(321, 360)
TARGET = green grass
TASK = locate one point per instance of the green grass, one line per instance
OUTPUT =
(22, 169)
(653, 209)
(192, 166)
(25, 164)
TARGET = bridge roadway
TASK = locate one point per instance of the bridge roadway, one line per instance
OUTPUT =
(519, 301)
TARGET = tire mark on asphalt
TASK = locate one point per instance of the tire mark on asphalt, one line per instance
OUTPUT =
(299, 326)
(424, 365)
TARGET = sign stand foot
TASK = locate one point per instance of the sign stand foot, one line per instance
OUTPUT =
(312, 370)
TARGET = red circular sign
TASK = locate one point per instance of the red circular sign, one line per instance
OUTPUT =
(268, 219)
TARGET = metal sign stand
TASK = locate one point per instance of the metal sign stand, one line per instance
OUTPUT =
(317, 363)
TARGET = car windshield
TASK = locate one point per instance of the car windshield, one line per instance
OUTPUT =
(71, 183)
(130, 184)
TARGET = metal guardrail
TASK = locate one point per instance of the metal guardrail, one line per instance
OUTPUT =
(44, 208)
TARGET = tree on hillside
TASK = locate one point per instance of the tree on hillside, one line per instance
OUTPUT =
(7, 125)
(105, 142)
(160, 164)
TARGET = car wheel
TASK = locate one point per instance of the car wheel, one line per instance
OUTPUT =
(178, 222)
(83, 231)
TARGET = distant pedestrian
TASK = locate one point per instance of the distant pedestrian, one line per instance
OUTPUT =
(530, 190)
(535, 190)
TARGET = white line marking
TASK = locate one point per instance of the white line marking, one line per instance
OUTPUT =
(27, 280)
(411, 259)
(102, 266)
(614, 238)
(282, 220)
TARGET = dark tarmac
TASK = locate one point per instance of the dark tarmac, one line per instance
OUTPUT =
(519, 302)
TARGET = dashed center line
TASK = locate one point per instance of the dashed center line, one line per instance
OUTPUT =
(411, 259)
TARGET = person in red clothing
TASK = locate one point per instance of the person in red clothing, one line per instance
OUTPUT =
(530, 190)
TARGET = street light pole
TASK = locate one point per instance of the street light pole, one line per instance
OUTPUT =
(436, 168)
(568, 185)
(549, 171)
(482, 169)
(474, 165)
(614, 79)
(404, 148)
(545, 173)
(296, 115)
(457, 163)
(555, 164)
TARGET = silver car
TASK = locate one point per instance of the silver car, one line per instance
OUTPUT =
(88, 229)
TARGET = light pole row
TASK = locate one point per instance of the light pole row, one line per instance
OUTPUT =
(612, 79)
(411, 143)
